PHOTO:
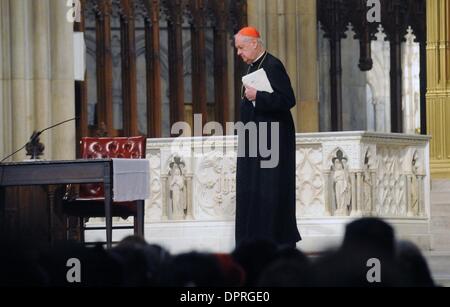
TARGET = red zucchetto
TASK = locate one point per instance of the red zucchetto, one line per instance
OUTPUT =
(249, 31)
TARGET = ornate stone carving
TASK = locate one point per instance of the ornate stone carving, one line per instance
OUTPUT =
(342, 184)
(340, 174)
(391, 182)
(177, 183)
(154, 206)
(215, 186)
(368, 184)
(178, 190)
(309, 181)
(415, 189)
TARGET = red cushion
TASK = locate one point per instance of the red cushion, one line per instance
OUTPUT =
(108, 147)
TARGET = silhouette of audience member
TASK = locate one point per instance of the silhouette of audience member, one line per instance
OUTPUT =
(19, 266)
(414, 267)
(371, 235)
(233, 273)
(193, 269)
(261, 263)
(253, 256)
(365, 239)
(291, 268)
(141, 261)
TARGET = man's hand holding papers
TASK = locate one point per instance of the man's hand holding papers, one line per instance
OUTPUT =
(256, 81)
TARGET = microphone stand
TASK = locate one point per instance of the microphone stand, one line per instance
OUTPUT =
(34, 148)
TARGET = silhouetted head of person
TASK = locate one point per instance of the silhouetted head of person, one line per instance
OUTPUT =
(193, 269)
(365, 258)
(142, 262)
(18, 264)
(369, 235)
(254, 256)
(233, 273)
(413, 265)
(290, 268)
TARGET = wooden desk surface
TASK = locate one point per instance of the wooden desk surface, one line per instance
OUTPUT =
(29, 173)
(55, 172)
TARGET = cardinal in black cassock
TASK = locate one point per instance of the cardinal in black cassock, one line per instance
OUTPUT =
(265, 197)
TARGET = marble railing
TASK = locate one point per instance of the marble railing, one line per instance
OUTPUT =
(338, 174)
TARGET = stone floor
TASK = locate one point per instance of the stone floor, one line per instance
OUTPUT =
(439, 255)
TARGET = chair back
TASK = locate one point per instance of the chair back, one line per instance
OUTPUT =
(105, 148)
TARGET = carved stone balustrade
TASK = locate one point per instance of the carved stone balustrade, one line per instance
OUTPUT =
(340, 176)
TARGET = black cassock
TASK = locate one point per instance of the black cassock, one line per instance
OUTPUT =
(265, 197)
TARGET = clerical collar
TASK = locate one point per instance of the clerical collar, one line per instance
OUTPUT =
(258, 58)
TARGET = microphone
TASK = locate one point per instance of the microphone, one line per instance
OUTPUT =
(34, 148)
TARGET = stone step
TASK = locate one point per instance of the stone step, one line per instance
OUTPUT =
(440, 224)
(440, 186)
(440, 242)
(439, 264)
(440, 198)
(440, 210)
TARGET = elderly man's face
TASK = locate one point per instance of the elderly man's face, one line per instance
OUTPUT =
(247, 48)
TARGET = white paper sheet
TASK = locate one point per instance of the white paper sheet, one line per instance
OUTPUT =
(258, 80)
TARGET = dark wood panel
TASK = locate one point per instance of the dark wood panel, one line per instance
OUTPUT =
(41, 173)
(174, 14)
(26, 215)
(197, 9)
(128, 54)
(103, 10)
(152, 58)
(239, 19)
(221, 16)
(227, 17)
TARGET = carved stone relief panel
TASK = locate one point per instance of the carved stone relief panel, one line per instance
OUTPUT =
(391, 182)
(154, 206)
(215, 186)
(310, 183)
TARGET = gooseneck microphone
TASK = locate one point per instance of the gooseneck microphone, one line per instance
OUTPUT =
(34, 137)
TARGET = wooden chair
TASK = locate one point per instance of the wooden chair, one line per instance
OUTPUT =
(87, 200)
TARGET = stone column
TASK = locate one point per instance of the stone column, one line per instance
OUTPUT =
(21, 90)
(41, 71)
(374, 197)
(328, 194)
(189, 200)
(289, 31)
(62, 83)
(291, 34)
(357, 210)
(256, 11)
(5, 76)
(307, 71)
(438, 92)
(354, 209)
(230, 73)
(37, 83)
(165, 198)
